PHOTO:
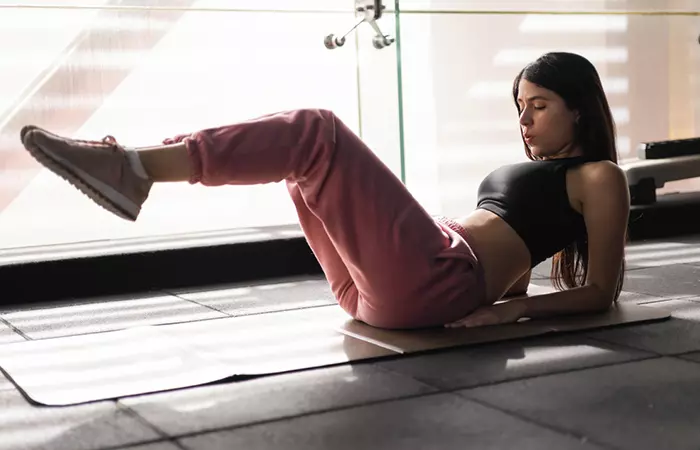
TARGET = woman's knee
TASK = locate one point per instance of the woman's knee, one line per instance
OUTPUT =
(323, 122)
(325, 114)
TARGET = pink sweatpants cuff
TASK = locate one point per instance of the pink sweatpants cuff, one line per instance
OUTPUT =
(195, 159)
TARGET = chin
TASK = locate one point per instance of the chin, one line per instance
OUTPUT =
(539, 152)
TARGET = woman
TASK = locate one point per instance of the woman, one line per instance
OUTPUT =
(388, 262)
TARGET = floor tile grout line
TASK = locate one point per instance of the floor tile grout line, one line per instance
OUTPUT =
(556, 429)
(178, 444)
(680, 356)
(504, 381)
(225, 316)
(113, 330)
(444, 389)
(635, 268)
(142, 443)
(302, 415)
(15, 329)
(255, 314)
(463, 392)
(628, 346)
(439, 391)
(689, 352)
(197, 303)
(142, 420)
(375, 365)
(229, 315)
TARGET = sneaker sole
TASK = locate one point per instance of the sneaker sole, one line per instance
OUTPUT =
(97, 191)
(26, 129)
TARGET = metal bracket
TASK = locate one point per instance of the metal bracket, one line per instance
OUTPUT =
(370, 12)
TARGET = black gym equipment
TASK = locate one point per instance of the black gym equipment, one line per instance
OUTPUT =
(660, 162)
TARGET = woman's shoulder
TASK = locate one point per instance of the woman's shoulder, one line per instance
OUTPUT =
(602, 171)
(594, 180)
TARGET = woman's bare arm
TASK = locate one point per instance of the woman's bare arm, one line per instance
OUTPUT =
(605, 208)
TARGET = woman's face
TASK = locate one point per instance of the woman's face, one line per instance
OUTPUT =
(546, 123)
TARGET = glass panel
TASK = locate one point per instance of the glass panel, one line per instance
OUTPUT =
(146, 73)
(189, 5)
(460, 120)
(549, 6)
(379, 94)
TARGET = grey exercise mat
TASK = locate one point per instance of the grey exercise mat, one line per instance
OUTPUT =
(78, 369)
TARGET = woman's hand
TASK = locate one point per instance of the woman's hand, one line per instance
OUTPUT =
(506, 312)
(177, 139)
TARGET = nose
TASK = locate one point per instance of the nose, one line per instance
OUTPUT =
(525, 117)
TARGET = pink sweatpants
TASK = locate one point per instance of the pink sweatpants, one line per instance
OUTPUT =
(389, 263)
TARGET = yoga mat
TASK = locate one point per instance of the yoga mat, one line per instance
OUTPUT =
(79, 369)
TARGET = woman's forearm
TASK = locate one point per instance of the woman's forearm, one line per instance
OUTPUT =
(585, 299)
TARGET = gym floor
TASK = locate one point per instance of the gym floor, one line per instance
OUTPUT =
(635, 387)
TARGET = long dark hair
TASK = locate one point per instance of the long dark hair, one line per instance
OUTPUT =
(576, 80)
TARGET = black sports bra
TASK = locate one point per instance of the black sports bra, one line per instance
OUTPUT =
(532, 198)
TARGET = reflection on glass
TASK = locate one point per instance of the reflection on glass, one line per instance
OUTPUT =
(461, 121)
(145, 75)
(557, 6)
(239, 5)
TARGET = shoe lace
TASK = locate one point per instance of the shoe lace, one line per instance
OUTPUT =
(108, 140)
(112, 142)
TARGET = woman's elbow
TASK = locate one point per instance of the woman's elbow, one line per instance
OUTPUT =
(516, 291)
(602, 299)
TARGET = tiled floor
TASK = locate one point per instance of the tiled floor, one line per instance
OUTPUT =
(635, 387)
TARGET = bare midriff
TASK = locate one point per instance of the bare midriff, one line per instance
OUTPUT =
(502, 253)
